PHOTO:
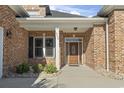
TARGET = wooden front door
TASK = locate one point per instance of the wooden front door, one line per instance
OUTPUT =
(73, 54)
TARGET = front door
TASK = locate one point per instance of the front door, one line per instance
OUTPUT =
(73, 54)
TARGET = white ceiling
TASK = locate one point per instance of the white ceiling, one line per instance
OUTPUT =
(64, 25)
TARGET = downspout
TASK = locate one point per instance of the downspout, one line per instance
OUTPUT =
(107, 47)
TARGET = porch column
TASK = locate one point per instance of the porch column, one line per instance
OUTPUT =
(44, 55)
(57, 48)
(1, 52)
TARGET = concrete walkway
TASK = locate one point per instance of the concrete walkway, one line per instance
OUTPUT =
(84, 77)
(70, 77)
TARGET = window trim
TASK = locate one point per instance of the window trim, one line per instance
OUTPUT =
(44, 46)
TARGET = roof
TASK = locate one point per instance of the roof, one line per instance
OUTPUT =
(19, 10)
(107, 9)
(63, 15)
(104, 12)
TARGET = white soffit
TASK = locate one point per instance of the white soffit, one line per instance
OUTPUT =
(62, 23)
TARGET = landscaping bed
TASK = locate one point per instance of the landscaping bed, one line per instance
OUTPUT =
(112, 75)
(25, 70)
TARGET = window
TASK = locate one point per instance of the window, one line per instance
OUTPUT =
(44, 45)
(49, 47)
(38, 47)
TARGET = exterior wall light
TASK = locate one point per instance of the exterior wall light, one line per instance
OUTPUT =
(8, 33)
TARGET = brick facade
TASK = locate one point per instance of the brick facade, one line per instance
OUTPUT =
(15, 48)
(94, 47)
(116, 41)
(88, 48)
(39, 10)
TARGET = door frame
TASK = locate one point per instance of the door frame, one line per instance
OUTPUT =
(82, 56)
(1, 52)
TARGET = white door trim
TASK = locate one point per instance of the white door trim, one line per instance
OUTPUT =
(66, 58)
(1, 52)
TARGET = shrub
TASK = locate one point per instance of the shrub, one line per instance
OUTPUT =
(50, 68)
(37, 68)
(22, 68)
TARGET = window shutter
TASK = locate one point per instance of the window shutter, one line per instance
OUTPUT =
(30, 54)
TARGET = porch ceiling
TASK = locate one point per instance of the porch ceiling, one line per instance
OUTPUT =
(65, 24)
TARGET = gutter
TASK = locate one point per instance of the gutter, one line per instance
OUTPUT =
(57, 18)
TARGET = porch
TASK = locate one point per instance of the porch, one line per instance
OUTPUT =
(48, 41)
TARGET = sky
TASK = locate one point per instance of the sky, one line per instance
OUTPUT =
(84, 10)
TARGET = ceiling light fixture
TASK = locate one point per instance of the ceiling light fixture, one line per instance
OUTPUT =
(75, 28)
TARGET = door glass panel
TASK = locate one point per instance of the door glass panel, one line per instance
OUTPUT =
(73, 49)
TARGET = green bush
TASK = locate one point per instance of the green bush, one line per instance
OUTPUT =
(37, 68)
(22, 68)
(50, 68)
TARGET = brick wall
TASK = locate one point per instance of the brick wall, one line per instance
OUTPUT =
(35, 8)
(94, 47)
(62, 48)
(111, 33)
(116, 41)
(88, 48)
(15, 48)
(99, 46)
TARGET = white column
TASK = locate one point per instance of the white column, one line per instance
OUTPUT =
(107, 47)
(57, 48)
(44, 55)
(1, 52)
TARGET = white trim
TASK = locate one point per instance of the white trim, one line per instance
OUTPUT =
(61, 19)
(65, 24)
(68, 47)
(68, 54)
(74, 38)
(78, 54)
(82, 52)
(58, 58)
(44, 45)
(78, 49)
(65, 54)
(1, 52)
